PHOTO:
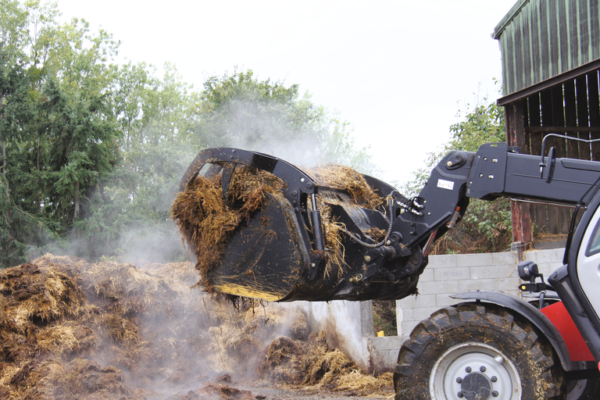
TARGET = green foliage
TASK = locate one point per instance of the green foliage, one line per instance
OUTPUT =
(384, 317)
(13, 20)
(82, 148)
(486, 226)
(243, 111)
(92, 151)
(483, 124)
(239, 110)
(15, 112)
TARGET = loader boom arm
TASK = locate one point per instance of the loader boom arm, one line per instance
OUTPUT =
(495, 170)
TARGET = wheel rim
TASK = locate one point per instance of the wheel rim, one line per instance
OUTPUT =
(576, 389)
(474, 371)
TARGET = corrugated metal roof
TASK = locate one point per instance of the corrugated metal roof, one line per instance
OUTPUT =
(508, 18)
(540, 39)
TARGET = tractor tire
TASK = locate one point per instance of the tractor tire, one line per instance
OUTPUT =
(585, 389)
(477, 351)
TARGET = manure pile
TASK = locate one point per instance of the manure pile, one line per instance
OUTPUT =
(206, 223)
(74, 330)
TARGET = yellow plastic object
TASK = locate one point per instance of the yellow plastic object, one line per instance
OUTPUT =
(380, 334)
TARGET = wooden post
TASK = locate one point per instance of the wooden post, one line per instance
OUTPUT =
(515, 136)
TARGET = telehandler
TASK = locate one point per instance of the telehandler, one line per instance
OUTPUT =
(544, 345)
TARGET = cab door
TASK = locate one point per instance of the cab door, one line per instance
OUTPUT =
(588, 262)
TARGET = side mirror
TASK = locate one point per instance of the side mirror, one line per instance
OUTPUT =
(528, 271)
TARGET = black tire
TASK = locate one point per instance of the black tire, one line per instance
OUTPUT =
(441, 346)
(586, 389)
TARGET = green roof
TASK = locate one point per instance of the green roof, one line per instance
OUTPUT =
(541, 39)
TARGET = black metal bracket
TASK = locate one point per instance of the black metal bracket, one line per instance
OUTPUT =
(226, 176)
(488, 174)
(545, 164)
(536, 287)
(547, 167)
(576, 375)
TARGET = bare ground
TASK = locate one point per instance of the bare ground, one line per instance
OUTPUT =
(311, 394)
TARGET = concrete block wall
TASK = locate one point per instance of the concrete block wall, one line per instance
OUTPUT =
(547, 260)
(449, 274)
(383, 353)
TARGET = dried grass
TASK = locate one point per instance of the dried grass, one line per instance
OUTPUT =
(345, 178)
(65, 339)
(74, 330)
(293, 363)
(323, 367)
(58, 309)
(204, 220)
(31, 293)
(356, 380)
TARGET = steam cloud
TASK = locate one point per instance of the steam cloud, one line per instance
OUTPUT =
(165, 337)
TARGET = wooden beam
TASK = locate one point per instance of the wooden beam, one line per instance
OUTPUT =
(562, 129)
(548, 83)
(571, 118)
(521, 221)
(583, 117)
(515, 136)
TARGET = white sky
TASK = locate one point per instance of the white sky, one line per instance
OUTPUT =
(398, 71)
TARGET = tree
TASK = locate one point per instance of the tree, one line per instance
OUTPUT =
(13, 28)
(165, 123)
(15, 112)
(83, 147)
(239, 110)
(92, 151)
(155, 115)
(65, 141)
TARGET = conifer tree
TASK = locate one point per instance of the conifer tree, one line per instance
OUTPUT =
(15, 112)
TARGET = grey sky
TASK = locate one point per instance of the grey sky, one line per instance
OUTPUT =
(398, 71)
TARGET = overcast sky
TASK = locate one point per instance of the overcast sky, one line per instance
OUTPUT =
(398, 71)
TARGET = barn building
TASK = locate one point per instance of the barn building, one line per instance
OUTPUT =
(550, 62)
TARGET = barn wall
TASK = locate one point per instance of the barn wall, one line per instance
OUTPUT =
(540, 39)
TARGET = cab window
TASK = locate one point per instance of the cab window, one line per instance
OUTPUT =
(594, 244)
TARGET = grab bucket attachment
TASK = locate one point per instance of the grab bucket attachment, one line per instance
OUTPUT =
(279, 253)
